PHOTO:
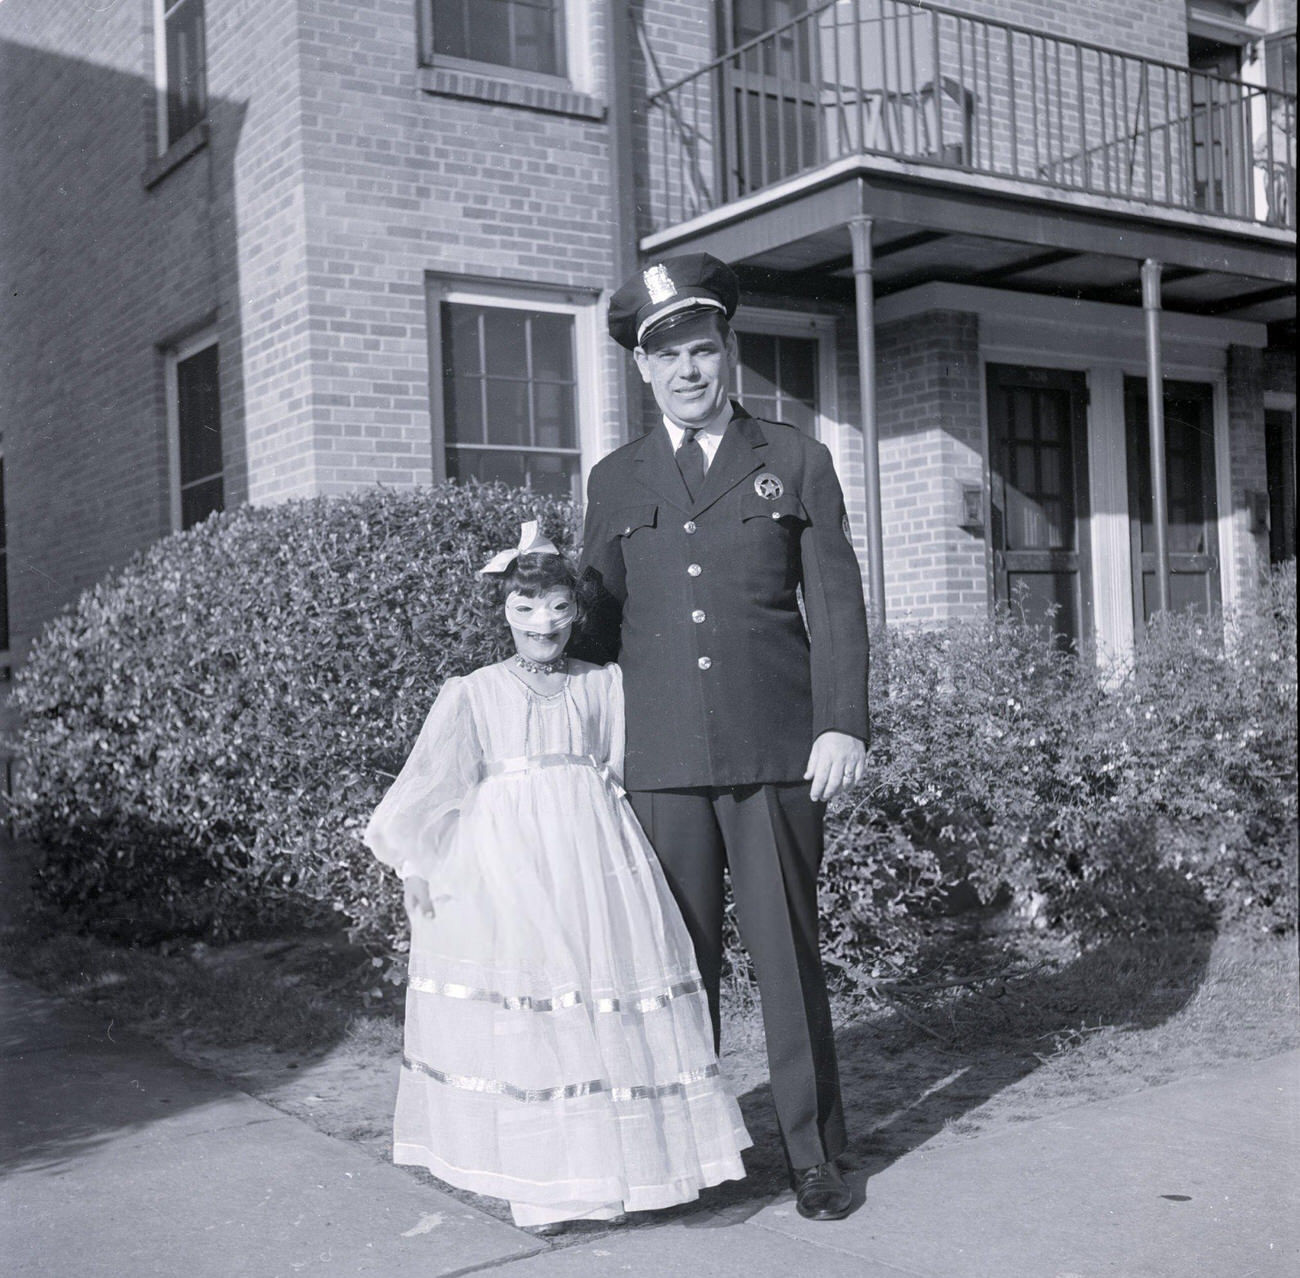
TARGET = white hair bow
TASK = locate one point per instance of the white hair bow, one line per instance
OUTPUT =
(531, 542)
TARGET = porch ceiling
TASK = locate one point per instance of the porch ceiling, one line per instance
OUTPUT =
(797, 243)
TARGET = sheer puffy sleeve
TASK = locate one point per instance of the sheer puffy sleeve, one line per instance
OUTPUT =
(615, 723)
(412, 827)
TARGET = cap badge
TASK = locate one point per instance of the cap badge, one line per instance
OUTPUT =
(659, 284)
(769, 486)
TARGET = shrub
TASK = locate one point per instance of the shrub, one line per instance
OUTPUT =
(206, 730)
(1155, 796)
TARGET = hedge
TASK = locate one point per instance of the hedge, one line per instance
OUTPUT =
(206, 732)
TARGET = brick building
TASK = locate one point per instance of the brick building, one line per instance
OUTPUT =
(254, 251)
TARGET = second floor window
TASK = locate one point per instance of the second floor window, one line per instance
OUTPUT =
(526, 35)
(184, 67)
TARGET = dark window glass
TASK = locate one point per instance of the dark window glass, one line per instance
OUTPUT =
(509, 396)
(525, 34)
(777, 378)
(1279, 457)
(187, 87)
(198, 422)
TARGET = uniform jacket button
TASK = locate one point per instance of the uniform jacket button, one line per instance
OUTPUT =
(697, 616)
(689, 525)
(694, 569)
(776, 514)
(704, 662)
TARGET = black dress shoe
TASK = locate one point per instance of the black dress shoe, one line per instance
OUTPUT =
(820, 1193)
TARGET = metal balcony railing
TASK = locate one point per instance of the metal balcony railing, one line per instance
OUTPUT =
(930, 85)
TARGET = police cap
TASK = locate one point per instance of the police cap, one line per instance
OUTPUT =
(668, 291)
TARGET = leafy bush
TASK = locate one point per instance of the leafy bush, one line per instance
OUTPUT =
(1153, 796)
(205, 731)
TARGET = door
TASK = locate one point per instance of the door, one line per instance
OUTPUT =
(1190, 483)
(770, 93)
(1039, 524)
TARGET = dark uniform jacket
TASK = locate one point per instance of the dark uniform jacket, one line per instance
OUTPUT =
(725, 685)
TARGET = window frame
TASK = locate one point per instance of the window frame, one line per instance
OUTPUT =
(573, 22)
(821, 328)
(579, 304)
(174, 357)
(162, 80)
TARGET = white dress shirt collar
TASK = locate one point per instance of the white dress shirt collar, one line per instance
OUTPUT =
(709, 438)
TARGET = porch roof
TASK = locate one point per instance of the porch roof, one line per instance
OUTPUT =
(793, 238)
(985, 153)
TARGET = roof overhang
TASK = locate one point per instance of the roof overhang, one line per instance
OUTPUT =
(970, 229)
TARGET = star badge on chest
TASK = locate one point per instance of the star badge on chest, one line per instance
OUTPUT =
(769, 486)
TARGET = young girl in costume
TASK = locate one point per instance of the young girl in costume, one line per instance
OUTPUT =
(558, 1047)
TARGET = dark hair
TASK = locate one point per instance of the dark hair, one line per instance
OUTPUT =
(535, 574)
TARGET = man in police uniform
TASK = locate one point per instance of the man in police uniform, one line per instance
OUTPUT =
(743, 714)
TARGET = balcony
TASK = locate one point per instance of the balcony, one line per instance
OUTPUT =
(931, 92)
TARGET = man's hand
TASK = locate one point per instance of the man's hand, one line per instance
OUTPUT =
(416, 898)
(837, 762)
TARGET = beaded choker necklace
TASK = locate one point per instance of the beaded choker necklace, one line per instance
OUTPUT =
(558, 666)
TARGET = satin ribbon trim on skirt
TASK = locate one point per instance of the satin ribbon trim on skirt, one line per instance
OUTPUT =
(496, 1087)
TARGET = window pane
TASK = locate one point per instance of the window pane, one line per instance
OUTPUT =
(552, 475)
(460, 339)
(488, 39)
(198, 416)
(535, 38)
(200, 500)
(505, 342)
(758, 354)
(462, 399)
(186, 78)
(552, 339)
(553, 417)
(507, 412)
(513, 33)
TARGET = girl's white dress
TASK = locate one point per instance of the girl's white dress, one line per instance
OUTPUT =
(558, 1046)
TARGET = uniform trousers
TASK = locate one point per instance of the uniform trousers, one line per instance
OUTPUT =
(770, 839)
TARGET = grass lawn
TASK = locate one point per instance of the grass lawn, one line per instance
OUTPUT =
(1005, 1026)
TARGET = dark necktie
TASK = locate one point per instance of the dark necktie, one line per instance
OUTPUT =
(690, 461)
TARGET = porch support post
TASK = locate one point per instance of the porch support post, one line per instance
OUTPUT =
(865, 301)
(1156, 427)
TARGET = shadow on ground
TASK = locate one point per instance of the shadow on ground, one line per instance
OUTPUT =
(72, 1076)
(908, 1076)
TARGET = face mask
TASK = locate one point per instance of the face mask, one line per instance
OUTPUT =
(548, 615)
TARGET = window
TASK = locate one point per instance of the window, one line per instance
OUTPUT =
(509, 396)
(526, 35)
(777, 378)
(182, 69)
(195, 408)
(515, 386)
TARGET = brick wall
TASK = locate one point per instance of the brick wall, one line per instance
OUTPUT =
(98, 271)
(400, 182)
(931, 442)
(1150, 28)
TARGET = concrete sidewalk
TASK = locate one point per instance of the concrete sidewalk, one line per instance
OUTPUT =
(119, 1161)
